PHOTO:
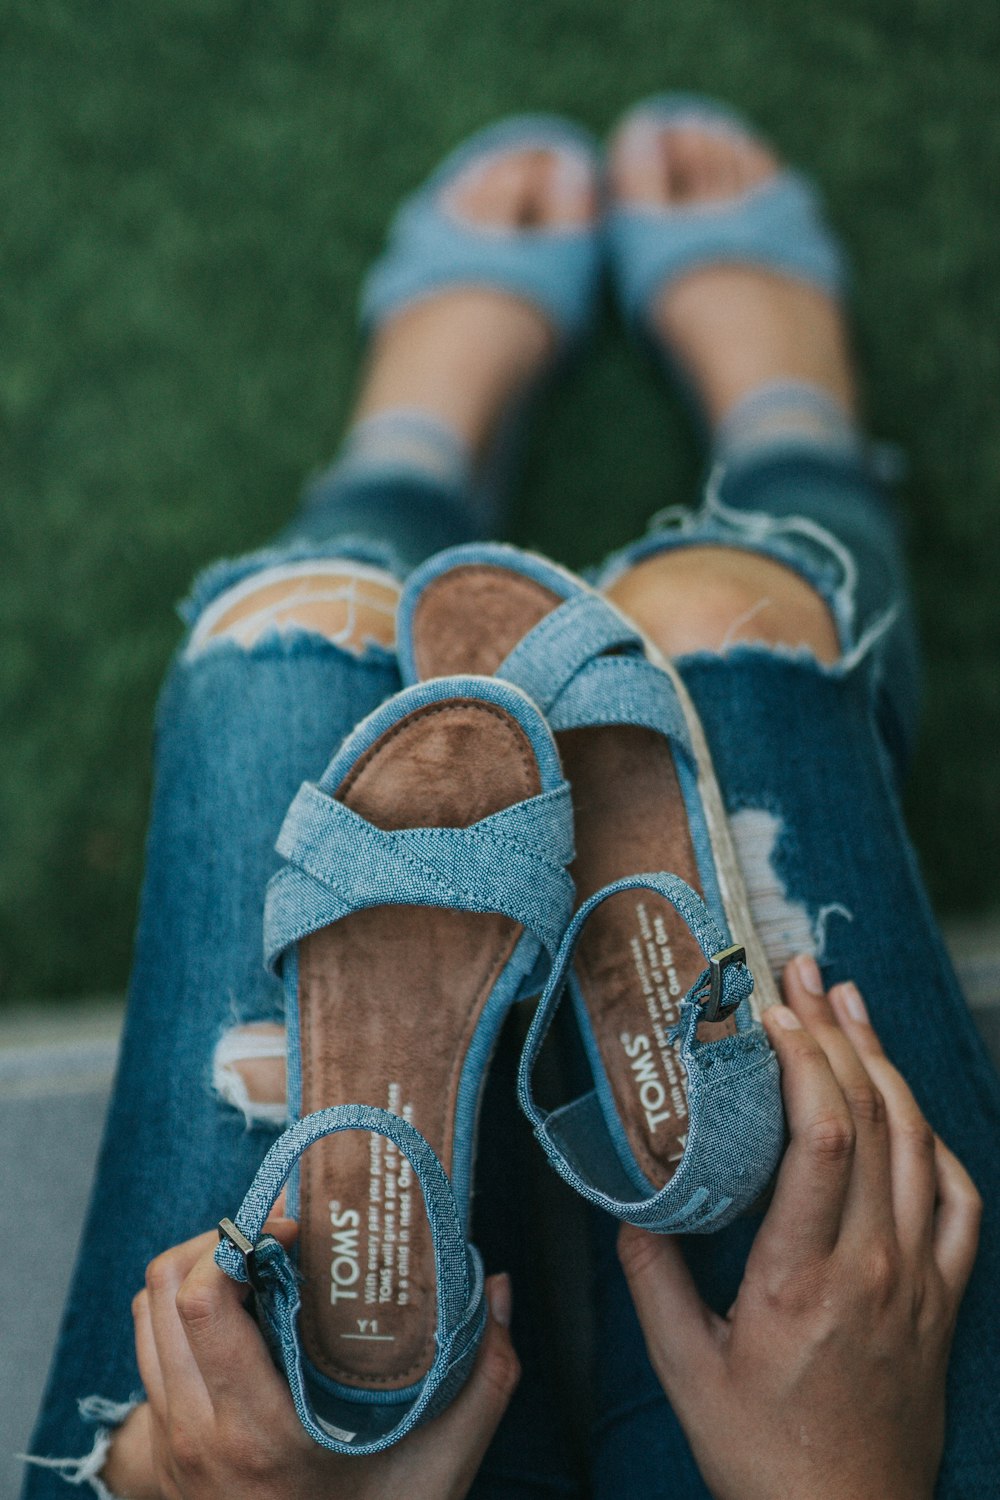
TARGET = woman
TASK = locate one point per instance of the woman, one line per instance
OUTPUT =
(784, 601)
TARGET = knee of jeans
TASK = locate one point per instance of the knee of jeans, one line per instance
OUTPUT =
(714, 597)
(342, 600)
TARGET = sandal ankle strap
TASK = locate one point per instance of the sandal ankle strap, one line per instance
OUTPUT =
(461, 1305)
(576, 1137)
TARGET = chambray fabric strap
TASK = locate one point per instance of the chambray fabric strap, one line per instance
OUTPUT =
(512, 862)
(546, 658)
(451, 1257)
(623, 690)
(737, 981)
(778, 225)
(561, 664)
(430, 245)
(458, 1268)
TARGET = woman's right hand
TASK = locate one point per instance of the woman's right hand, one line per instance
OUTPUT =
(826, 1378)
(219, 1419)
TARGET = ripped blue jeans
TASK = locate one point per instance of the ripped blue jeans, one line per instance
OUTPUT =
(810, 761)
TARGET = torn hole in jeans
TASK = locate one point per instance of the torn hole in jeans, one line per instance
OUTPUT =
(798, 542)
(785, 926)
(248, 1072)
(346, 602)
(88, 1468)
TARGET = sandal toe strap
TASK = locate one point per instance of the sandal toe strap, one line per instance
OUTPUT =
(623, 690)
(512, 862)
(778, 226)
(544, 660)
(431, 249)
(564, 666)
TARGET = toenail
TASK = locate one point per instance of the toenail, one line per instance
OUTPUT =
(570, 178)
(642, 141)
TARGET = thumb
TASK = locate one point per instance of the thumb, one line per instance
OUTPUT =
(497, 1370)
(678, 1328)
(464, 1432)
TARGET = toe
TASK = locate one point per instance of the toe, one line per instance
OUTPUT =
(715, 178)
(759, 163)
(536, 186)
(685, 162)
(569, 192)
(691, 168)
(496, 191)
(639, 168)
(725, 163)
(527, 188)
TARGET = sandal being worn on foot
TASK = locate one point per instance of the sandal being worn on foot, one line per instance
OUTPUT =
(431, 246)
(556, 268)
(659, 978)
(777, 225)
(424, 890)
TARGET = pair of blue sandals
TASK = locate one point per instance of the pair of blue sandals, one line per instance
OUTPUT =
(535, 813)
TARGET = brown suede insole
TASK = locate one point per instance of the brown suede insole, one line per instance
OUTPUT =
(636, 958)
(388, 1001)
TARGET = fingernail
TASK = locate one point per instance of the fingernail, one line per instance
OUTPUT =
(501, 1299)
(809, 976)
(847, 996)
(786, 1018)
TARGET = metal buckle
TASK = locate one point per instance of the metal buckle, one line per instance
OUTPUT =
(714, 1010)
(228, 1231)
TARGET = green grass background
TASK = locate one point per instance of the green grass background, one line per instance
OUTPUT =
(190, 192)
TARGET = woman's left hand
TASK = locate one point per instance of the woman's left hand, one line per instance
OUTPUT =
(827, 1376)
(219, 1417)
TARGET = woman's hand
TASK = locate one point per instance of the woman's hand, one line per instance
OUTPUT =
(219, 1418)
(826, 1378)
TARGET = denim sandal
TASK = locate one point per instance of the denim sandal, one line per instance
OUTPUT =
(656, 965)
(424, 891)
(778, 225)
(431, 247)
(557, 270)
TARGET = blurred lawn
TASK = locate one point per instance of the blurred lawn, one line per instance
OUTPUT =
(190, 192)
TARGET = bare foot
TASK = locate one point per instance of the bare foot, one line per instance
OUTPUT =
(462, 354)
(734, 328)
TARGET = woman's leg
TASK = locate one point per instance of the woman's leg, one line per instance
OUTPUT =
(785, 600)
(238, 728)
(288, 649)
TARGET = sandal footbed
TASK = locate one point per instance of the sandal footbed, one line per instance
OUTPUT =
(389, 999)
(636, 957)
